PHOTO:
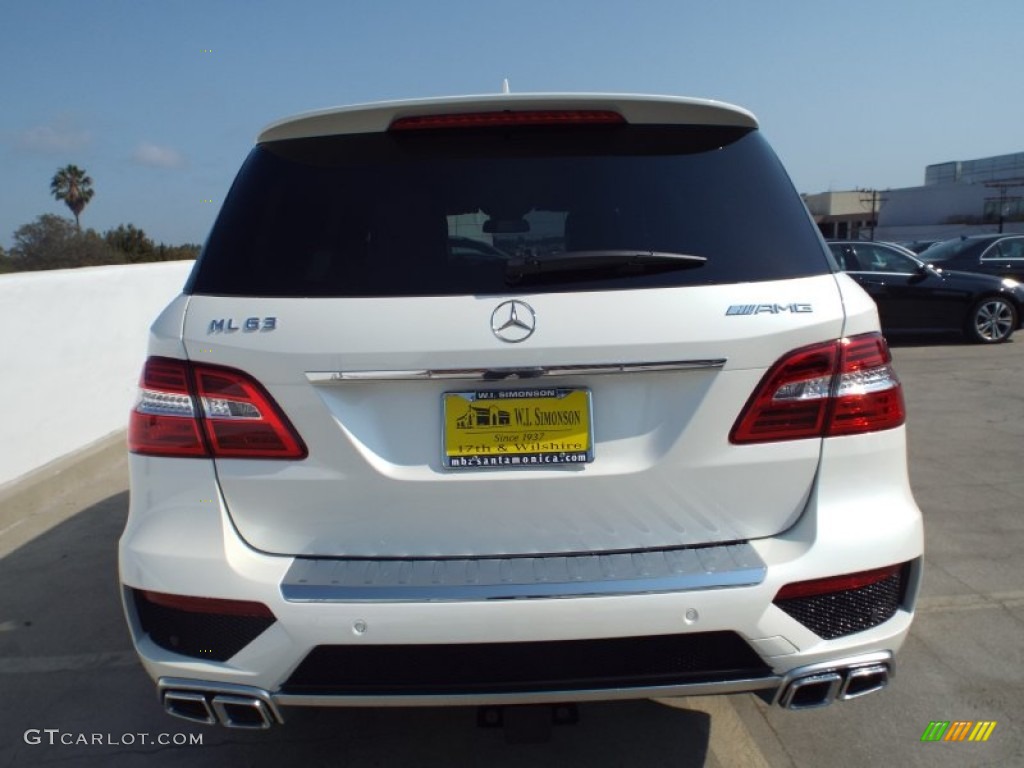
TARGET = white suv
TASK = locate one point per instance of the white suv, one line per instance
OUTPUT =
(516, 399)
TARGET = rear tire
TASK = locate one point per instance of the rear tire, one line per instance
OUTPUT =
(992, 320)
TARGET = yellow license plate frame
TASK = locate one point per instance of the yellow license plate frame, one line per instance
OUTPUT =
(528, 428)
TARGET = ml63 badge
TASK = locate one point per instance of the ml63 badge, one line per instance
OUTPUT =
(517, 428)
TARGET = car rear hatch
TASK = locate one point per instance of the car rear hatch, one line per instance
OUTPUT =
(502, 337)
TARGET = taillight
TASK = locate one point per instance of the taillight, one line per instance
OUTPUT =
(832, 584)
(507, 118)
(213, 605)
(841, 387)
(164, 421)
(241, 419)
(208, 411)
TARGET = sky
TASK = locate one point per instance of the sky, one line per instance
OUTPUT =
(160, 100)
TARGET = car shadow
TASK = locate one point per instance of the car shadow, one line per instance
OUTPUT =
(939, 340)
(75, 693)
(927, 340)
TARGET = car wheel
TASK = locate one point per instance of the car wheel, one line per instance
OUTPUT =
(991, 320)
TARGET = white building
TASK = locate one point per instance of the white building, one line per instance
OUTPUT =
(958, 197)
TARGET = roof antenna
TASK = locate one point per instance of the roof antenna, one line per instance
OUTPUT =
(504, 86)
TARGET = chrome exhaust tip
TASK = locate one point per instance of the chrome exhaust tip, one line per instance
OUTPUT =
(812, 691)
(245, 712)
(818, 685)
(860, 681)
(189, 706)
(209, 703)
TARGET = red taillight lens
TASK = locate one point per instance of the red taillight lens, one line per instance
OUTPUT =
(506, 118)
(836, 583)
(841, 387)
(164, 421)
(205, 410)
(214, 605)
(792, 399)
(241, 418)
(868, 396)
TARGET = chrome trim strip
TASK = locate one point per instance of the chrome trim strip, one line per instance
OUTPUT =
(502, 374)
(344, 580)
(747, 685)
(277, 700)
(776, 683)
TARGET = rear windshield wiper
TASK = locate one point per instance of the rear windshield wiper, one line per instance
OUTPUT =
(614, 260)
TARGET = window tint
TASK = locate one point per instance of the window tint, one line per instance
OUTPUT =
(951, 249)
(875, 258)
(845, 256)
(1011, 248)
(443, 213)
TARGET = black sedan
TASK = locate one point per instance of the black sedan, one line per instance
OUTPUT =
(914, 297)
(1001, 255)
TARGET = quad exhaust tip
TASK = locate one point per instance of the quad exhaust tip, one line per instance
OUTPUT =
(811, 691)
(211, 707)
(242, 712)
(189, 706)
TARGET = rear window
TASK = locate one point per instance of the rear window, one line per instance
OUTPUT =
(459, 212)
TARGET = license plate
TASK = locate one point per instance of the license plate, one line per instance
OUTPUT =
(517, 428)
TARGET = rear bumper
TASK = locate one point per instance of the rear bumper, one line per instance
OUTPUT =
(249, 707)
(175, 544)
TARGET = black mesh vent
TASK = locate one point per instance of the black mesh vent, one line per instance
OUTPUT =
(838, 614)
(212, 636)
(532, 666)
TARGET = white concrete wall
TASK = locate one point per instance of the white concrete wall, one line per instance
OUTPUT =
(72, 344)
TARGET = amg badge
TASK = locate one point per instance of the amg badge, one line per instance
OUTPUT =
(768, 309)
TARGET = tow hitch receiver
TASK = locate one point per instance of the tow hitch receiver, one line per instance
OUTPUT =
(528, 723)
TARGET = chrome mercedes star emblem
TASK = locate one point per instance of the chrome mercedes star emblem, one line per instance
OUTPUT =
(513, 321)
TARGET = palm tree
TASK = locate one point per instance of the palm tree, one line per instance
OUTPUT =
(71, 185)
